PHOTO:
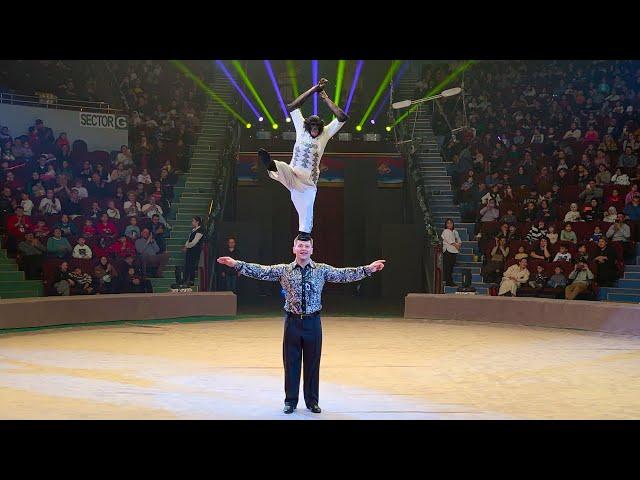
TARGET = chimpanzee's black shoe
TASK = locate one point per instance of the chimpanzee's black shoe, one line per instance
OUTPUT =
(265, 158)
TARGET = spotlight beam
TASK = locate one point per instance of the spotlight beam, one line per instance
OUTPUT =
(376, 97)
(294, 81)
(204, 87)
(252, 89)
(267, 65)
(314, 79)
(237, 87)
(339, 80)
(401, 72)
(354, 83)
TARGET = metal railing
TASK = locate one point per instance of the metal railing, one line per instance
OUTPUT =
(432, 255)
(50, 101)
(221, 185)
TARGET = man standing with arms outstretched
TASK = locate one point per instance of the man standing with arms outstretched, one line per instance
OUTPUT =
(302, 281)
(300, 176)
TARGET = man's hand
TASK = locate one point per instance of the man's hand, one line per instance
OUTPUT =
(228, 261)
(323, 95)
(321, 84)
(376, 266)
(184, 249)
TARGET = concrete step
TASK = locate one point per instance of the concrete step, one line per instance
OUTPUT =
(628, 275)
(479, 290)
(474, 270)
(9, 267)
(462, 264)
(475, 277)
(11, 276)
(622, 283)
(624, 297)
(632, 268)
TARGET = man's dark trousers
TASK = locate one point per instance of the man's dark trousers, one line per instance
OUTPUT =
(302, 338)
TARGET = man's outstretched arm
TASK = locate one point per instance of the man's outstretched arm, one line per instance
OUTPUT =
(337, 111)
(270, 273)
(297, 103)
(352, 274)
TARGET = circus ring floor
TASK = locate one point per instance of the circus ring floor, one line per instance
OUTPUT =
(372, 368)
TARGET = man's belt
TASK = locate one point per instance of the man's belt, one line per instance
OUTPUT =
(302, 315)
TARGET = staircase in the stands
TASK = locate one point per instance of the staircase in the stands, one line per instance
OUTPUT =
(438, 185)
(627, 288)
(12, 280)
(194, 190)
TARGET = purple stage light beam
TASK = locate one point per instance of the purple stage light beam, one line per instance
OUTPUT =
(314, 79)
(237, 87)
(267, 65)
(354, 82)
(401, 72)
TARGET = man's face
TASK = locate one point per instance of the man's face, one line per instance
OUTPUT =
(231, 243)
(145, 234)
(302, 249)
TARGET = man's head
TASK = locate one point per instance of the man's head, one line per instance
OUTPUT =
(28, 236)
(145, 233)
(557, 270)
(314, 125)
(231, 242)
(81, 241)
(57, 232)
(303, 247)
(155, 218)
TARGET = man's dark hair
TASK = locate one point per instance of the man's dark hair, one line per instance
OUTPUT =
(303, 237)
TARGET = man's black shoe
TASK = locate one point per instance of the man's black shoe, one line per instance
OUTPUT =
(315, 408)
(288, 409)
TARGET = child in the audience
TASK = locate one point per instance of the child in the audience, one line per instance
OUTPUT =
(563, 255)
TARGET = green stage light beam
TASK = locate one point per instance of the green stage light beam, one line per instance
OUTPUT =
(250, 86)
(339, 80)
(383, 85)
(436, 90)
(204, 87)
(294, 81)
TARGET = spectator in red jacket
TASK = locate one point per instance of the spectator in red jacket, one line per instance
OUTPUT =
(615, 200)
(18, 224)
(106, 228)
(122, 248)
